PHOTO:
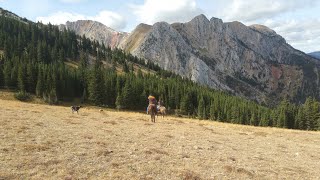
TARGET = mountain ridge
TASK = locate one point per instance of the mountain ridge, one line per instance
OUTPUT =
(231, 56)
(248, 61)
(96, 31)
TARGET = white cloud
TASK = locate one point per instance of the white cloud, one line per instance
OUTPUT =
(111, 19)
(166, 10)
(302, 34)
(108, 18)
(251, 10)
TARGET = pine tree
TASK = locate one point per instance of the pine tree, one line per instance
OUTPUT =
(7, 73)
(201, 107)
(1, 74)
(234, 114)
(40, 83)
(212, 111)
(22, 79)
(307, 111)
(30, 79)
(40, 53)
(96, 87)
(119, 102)
(300, 119)
(127, 95)
(186, 106)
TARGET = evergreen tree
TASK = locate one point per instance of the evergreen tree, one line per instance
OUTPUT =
(30, 79)
(7, 73)
(22, 78)
(40, 83)
(1, 74)
(119, 102)
(300, 119)
(96, 86)
(186, 106)
(201, 108)
(127, 95)
(212, 111)
(40, 53)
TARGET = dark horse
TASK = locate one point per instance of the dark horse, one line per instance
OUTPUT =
(152, 110)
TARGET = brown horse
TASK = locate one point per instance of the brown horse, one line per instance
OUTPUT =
(152, 110)
(162, 111)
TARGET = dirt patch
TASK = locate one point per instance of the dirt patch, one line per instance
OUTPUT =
(263, 134)
(190, 175)
(110, 122)
(35, 147)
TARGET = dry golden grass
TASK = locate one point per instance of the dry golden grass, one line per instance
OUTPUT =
(49, 142)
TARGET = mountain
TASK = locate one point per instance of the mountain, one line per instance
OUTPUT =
(315, 54)
(56, 66)
(12, 15)
(249, 61)
(96, 31)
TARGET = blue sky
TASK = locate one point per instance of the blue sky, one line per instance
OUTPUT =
(298, 21)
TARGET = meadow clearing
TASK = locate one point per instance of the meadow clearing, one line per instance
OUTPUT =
(39, 141)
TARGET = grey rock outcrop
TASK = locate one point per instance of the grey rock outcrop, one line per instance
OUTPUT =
(96, 31)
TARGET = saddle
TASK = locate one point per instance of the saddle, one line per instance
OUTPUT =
(152, 107)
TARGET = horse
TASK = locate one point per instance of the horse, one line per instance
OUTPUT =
(75, 108)
(162, 111)
(152, 110)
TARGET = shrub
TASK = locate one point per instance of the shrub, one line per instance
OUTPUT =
(22, 96)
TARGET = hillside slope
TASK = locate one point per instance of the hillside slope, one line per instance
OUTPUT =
(42, 142)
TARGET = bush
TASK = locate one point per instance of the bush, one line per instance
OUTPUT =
(22, 96)
(51, 97)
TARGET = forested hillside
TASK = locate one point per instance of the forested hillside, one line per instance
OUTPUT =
(33, 60)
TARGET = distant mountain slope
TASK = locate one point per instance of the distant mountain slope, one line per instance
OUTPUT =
(96, 31)
(315, 54)
(250, 61)
(12, 15)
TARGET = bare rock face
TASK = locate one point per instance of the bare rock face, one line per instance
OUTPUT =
(96, 31)
(250, 61)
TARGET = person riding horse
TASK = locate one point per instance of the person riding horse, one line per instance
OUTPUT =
(152, 108)
(152, 102)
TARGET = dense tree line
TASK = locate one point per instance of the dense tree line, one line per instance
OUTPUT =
(33, 56)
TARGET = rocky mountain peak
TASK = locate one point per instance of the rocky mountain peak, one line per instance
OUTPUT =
(200, 18)
(96, 31)
(250, 61)
(263, 29)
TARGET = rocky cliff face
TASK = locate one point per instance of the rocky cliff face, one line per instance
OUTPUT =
(250, 61)
(96, 31)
